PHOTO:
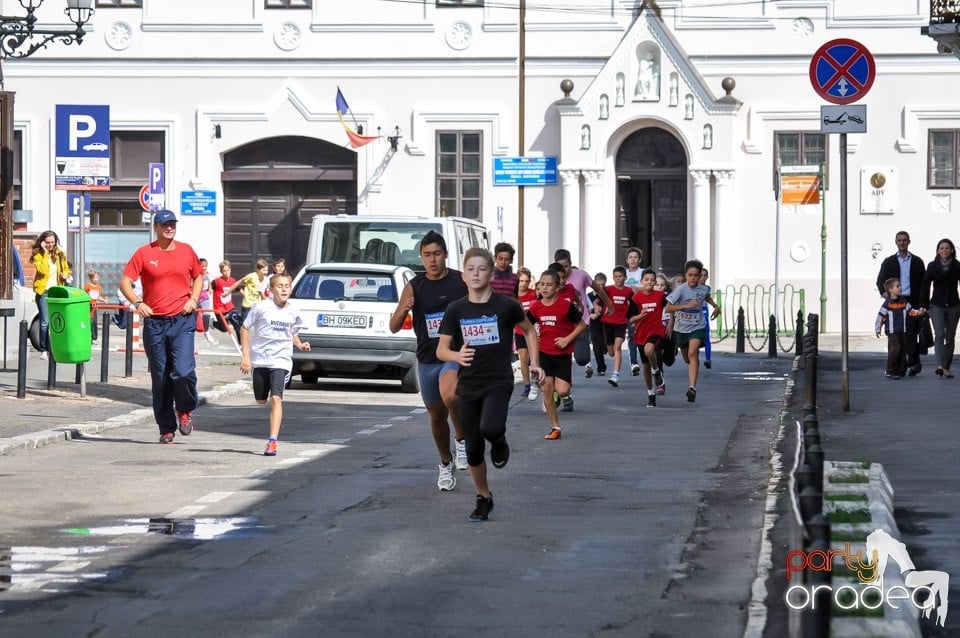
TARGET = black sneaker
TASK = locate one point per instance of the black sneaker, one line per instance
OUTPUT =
(483, 508)
(566, 404)
(499, 453)
(602, 373)
(651, 400)
(707, 364)
(890, 375)
(588, 372)
(914, 370)
(691, 394)
(658, 377)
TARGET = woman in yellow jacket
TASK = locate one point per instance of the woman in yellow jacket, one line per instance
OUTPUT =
(52, 270)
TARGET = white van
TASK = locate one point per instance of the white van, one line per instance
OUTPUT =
(389, 239)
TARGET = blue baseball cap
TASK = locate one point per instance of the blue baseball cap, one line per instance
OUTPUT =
(164, 216)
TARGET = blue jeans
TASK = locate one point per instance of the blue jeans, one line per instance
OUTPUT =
(632, 345)
(169, 343)
(44, 322)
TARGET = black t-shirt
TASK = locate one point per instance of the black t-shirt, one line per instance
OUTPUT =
(430, 299)
(488, 328)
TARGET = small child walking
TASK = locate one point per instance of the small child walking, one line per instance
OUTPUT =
(95, 291)
(268, 355)
(892, 317)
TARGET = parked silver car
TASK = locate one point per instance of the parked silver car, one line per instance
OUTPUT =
(346, 309)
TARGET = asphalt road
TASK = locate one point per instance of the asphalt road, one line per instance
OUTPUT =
(639, 522)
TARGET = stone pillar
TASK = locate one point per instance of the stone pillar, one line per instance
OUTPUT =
(698, 230)
(597, 225)
(725, 217)
(570, 213)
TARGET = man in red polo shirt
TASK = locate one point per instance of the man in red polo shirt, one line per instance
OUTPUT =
(172, 279)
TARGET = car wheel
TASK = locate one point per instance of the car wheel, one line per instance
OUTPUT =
(34, 333)
(309, 377)
(410, 382)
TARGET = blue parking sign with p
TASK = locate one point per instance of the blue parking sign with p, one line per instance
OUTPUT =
(83, 130)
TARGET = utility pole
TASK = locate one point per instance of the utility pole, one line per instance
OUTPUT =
(521, 145)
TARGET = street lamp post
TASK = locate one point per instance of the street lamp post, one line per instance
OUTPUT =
(20, 38)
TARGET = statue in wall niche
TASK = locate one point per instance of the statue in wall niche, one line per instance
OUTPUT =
(648, 79)
(585, 137)
(619, 97)
(707, 136)
(688, 107)
(674, 89)
(604, 107)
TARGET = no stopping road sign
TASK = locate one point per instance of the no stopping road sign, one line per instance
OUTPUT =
(842, 71)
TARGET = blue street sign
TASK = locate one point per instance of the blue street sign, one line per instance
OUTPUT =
(524, 171)
(156, 185)
(198, 202)
(78, 203)
(842, 71)
(82, 159)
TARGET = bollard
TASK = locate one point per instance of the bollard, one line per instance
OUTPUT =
(804, 476)
(814, 331)
(816, 621)
(128, 344)
(814, 456)
(772, 336)
(809, 408)
(799, 338)
(22, 360)
(810, 379)
(741, 334)
(51, 371)
(811, 431)
(811, 502)
(105, 348)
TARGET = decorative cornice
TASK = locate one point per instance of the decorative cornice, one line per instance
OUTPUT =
(569, 177)
(593, 177)
(757, 118)
(700, 177)
(423, 122)
(724, 177)
(910, 123)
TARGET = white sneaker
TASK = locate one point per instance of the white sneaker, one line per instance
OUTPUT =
(209, 338)
(446, 481)
(461, 457)
(534, 392)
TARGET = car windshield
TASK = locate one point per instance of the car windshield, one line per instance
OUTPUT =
(358, 242)
(346, 286)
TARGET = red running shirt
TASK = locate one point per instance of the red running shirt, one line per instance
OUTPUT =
(620, 298)
(556, 321)
(167, 276)
(652, 323)
(525, 300)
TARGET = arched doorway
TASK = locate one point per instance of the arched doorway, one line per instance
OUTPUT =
(651, 169)
(272, 188)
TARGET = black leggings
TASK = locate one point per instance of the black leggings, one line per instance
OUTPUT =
(482, 418)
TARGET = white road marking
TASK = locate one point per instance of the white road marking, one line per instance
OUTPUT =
(368, 431)
(69, 566)
(214, 497)
(293, 461)
(419, 411)
(337, 441)
(400, 418)
(383, 426)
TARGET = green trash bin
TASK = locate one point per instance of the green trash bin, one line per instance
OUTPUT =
(69, 310)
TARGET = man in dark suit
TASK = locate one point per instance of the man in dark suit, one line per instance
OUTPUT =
(909, 269)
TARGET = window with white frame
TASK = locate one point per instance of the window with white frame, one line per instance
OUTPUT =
(800, 148)
(942, 166)
(459, 174)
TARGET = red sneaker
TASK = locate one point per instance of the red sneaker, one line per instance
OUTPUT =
(166, 437)
(271, 448)
(553, 434)
(186, 423)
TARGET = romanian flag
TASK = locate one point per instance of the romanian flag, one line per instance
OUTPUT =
(356, 140)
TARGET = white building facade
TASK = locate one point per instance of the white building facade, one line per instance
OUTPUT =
(669, 137)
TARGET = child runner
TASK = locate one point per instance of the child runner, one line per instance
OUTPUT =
(668, 349)
(525, 295)
(426, 297)
(685, 302)
(646, 314)
(475, 334)
(252, 284)
(95, 291)
(893, 318)
(707, 349)
(206, 303)
(615, 323)
(560, 322)
(505, 281)
(279, 267)
(597, 340)
(223, 300)
(634, 274)
(275, 325)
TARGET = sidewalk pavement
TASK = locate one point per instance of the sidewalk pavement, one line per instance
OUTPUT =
(46, 416)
